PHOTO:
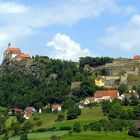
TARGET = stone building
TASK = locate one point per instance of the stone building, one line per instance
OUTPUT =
(12, 53)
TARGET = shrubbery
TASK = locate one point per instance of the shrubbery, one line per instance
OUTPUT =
(77, 127)
(65, 128)
(107, 125)
(133, 131)
(24, 137)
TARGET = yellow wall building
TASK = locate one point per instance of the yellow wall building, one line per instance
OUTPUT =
(99, 81)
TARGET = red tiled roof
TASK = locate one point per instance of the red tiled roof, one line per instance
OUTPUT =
(13, 49)
(112, 93)
(24, 55)
(136, 57)
(55, 106)
(18, 110)
(29, 111)
(99, 78)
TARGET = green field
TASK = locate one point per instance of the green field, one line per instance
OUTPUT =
(42, 135)
(89, 135)
(87, 116)
(99, 136)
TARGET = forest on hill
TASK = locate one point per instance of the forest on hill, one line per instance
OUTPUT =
(45, 81)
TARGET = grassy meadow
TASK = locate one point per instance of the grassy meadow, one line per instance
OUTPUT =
(87, 116)
(89, 135)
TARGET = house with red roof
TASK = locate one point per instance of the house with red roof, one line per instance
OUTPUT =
(15, 111)
(106, 95)
(56, 107)
(130, 95)
(136, 57)
(28, 112)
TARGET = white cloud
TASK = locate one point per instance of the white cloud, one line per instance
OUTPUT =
(18, 20)
(124, 37)
(135, 19)
(63, 47)
(12, 8)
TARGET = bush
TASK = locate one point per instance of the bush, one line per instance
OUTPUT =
(65, 128)
(44, 129)
(5, 138)
(40, 130)
(54, 137)
(51, 129)
(24, 137)
(133, 131)
(35, 118)
(85, 127)
(60, 117)
(73, 112)
(27, 126)
(95, 126)
(38, 123)
(77, 127)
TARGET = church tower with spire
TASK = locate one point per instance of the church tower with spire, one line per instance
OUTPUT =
(11, 52)
(9, 45)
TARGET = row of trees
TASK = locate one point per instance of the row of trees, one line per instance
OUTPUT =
(94, 61)
(117, 111)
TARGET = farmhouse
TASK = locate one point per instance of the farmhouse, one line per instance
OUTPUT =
(56, 107)
(129, 95)
(29, 111)
(136, 57)
(106, 95)
(15, 111)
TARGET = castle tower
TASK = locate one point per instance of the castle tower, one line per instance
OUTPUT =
(9, 45)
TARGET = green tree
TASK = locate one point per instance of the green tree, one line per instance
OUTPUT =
(133, 131)
(77, 127)
(136, 110)
(123, 88)
(106, 106)
(73, 112)
(60, 117)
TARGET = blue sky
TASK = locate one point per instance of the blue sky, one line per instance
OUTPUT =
(70, 29)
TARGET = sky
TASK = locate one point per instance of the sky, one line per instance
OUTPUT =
(69, 29)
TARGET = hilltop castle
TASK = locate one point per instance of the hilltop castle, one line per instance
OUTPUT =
(15, 54)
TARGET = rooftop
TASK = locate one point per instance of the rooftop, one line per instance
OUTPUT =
(111, 93)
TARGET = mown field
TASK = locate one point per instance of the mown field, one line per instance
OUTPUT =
(99, 136)
(87, 116)
(42, 135)
(89, 135)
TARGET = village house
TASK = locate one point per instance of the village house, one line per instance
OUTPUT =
(85, 102)
(129, 95)
(15, 111)
(106, 95)
(28, 112)
(136, 57)
(56, 107)
(99, 81)
(15, 54)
